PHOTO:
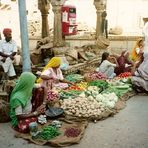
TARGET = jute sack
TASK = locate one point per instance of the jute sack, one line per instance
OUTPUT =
(72, 53)
(4, 111)
(61, 140)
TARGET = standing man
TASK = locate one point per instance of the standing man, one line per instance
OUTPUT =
(8, 50)
(104, 25)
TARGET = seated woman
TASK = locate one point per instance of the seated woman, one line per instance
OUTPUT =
(124, 64)
(20, 103)
(137, 50)
(107, 67)
(52, 76)
(140, 75)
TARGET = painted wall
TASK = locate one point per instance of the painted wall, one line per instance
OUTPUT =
(125, 13)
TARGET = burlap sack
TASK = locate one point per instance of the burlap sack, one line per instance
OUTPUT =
(61, 140)
(4, 111)
(72, 53)
(36, 58)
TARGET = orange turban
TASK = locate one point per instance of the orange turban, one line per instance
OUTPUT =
(7, 31)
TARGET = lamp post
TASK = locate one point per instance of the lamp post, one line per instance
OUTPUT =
(24, 35)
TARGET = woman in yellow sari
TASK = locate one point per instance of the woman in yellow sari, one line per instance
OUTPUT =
(52, 76)
(137, 50)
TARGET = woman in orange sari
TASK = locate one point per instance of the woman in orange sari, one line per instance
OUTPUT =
(137, 50)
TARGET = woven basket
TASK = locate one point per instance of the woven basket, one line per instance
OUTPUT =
(87, 70)
(54, 103)
(72, 53)
(87, 78)
(102, 42)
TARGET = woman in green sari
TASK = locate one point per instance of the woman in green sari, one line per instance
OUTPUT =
(20, 103)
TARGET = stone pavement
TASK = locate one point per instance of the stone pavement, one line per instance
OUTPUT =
(127, 129)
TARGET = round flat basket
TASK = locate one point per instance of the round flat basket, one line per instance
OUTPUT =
(54, 112)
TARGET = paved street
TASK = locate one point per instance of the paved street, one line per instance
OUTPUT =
(127, 129)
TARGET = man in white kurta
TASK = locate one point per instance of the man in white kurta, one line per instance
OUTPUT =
(8, 50)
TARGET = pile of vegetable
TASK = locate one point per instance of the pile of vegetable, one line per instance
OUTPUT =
(82, 85)
(68, 94)
(95, 76)
(74, 78)
(52, 95)
(47, 133)
(74, 87)
(83, 107)
(125, 75)
(119, 90)
(72, 132)
(100, 84)
(109, 100)
(91, 91)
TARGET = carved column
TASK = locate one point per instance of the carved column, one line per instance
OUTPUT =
(100, 7)
(57, 7)
(44, 6)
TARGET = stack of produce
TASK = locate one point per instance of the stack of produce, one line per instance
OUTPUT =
(52, 95)
(109, 100)
(100, 84)
(74, 78)
(82, 85)
(74, 87)
(83, 107)
(91, 91)
(72, 132)
(68, 94)
(119, 90)
(125, 75)
(47, 133)
(95, 76)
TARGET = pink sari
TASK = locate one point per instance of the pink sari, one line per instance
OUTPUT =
(55, 77)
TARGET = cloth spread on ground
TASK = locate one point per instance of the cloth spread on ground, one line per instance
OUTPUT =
(62, 139)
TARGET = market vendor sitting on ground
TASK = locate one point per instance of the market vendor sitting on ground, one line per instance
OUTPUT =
(20, 103)
(52, 76)
(108, 64)
(8, 50)
(124, 64)
(140, 74)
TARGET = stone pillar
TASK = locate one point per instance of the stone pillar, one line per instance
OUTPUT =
(100, 7)
(57, 6)
(44, 6)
